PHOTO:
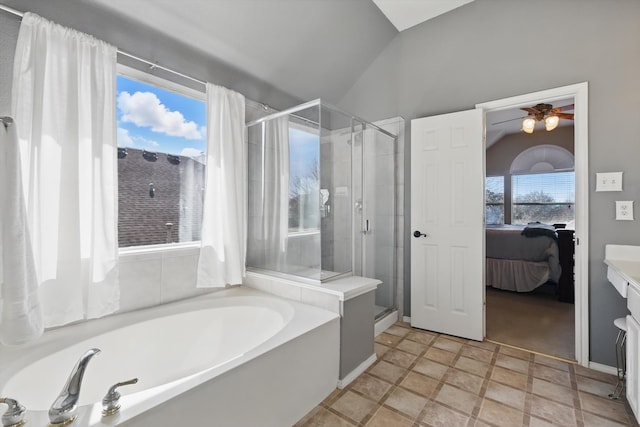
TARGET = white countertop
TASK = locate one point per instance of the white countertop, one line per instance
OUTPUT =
(624, 260)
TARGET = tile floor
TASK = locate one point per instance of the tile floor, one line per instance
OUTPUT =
(427, 379)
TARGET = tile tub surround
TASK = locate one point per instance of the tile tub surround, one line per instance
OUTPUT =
(427, 379)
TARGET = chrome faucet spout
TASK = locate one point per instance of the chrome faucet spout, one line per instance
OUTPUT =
(65, 408)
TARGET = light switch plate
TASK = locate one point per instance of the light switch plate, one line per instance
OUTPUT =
(609, 181)
(624, 210)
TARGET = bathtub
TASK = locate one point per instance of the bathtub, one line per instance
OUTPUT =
(237, 357)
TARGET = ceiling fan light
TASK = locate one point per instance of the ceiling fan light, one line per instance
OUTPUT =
(528, 124)
(551, 122)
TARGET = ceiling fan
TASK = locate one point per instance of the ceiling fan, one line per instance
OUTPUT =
(543, 112)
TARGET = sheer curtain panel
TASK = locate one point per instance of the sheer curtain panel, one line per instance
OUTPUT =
(63, 100)
(20, 313)
(223, 241)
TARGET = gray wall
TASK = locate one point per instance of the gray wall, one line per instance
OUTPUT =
(493, 49)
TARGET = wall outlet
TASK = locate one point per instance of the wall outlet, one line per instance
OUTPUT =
(609, 181)
(624, 210)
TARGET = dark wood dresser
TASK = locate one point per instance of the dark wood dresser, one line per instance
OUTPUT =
(566, 246)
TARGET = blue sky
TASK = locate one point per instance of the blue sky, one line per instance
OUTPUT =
(159, 120)
(304, 150)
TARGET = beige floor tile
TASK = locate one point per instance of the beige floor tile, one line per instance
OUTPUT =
(387, 371)
(420, 384)
(515, 352)
(590, 385)
(385, 417)
(430, 368)
(537, 422)
(388, 339)
(553, 412)
(371, 387)
(406, 402)
(412, 347)
(380, 349)
(439, 416)
(551, 374)
(464, 380)
(507, 395)
(604, 407)
(555, 392)
(487, 386)
(421, 337)
(552, 362)
(456, 398)
(397, 330)
(499, 414)
(325, 418)
(354, 406)
(400, 358)
(591, 420)
(477, 353)
(509, 377)
(513, 363)
(473, 366)
(447, 344)
(596, 375)
(439, 355)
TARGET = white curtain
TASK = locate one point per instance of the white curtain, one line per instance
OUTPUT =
(21, 316)
(275, 198)
(223, 241)
(63, 101)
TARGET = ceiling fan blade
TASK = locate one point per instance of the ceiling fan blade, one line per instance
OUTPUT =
(530, 110)
(567, 116)
(568, 107)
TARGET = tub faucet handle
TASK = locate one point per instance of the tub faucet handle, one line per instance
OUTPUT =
(110, 402)
(14, 416)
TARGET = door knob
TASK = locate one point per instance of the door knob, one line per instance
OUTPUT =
(419, 234)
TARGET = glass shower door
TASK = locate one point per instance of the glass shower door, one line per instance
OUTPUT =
(374, 213)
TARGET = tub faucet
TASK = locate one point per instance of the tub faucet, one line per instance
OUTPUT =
(14, 416)
(64, 409)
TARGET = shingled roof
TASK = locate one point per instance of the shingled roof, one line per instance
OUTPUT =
(160, 198)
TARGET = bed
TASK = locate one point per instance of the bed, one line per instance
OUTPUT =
(521, 258)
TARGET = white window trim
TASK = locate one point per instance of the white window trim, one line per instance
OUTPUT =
(144, 77)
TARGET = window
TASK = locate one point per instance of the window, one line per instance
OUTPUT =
(494, 200)
(161, 160)
(545, 197)
(304, 180)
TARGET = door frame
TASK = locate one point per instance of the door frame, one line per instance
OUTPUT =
(579, 92)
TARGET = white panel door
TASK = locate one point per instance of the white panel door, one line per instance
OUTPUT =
(447, 224)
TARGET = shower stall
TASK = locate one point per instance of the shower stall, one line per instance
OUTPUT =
(321, 198)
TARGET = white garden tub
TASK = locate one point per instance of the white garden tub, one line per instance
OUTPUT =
(237, 357)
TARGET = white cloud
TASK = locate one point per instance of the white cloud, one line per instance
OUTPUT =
(144, 109)
(191, 152)
(124, 139)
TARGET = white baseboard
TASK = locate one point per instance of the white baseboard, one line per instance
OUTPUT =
(603, 368)
(385, 322)
(356, 372)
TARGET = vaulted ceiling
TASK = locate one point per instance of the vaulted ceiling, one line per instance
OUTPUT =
(304, 48)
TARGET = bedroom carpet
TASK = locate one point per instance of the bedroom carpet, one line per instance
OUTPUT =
(535, 321)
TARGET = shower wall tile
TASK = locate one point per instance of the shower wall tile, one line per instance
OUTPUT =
(179, 278)
(140, 278)
(319, 299)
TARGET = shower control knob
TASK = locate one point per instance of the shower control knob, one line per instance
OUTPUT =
(419, 234)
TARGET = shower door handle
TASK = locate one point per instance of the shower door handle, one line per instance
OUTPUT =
(419, 234)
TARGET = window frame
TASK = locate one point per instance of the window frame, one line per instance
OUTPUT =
(150, 79)
(514, 204)
(317, 132)
(503, 203)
